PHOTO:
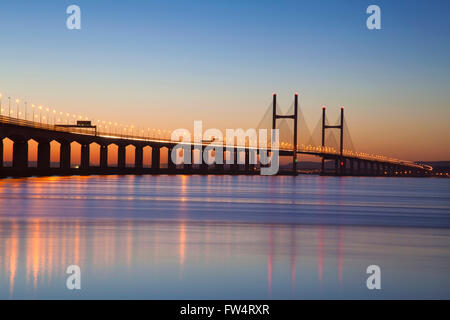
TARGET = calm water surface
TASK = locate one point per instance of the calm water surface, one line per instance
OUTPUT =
(229, 237)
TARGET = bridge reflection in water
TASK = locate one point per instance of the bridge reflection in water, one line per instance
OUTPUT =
(223, 237)
(132, 259)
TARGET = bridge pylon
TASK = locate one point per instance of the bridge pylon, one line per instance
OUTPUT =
(294, 117)
(340, 127)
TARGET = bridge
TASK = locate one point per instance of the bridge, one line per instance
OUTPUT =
(247, 157)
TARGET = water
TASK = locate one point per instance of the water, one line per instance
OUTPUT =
(227, 237)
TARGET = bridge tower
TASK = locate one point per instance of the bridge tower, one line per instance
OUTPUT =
(294, 117)
(341, 143)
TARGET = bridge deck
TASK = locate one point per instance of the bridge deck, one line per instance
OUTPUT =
(13, 127)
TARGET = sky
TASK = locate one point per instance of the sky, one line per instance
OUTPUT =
(164, 64)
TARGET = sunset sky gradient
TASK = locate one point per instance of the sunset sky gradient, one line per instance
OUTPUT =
(164, 64)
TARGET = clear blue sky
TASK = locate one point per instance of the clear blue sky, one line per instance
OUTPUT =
(167, 63)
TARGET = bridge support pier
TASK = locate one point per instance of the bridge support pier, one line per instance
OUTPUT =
(373, 169)
(247, 161)
(389, 170)
(20, 154)
(139, 157)
(220, 167)
(219, 159)
(203, 165)
(156, 157)
(235, 165)
(64, 155)
(103, 156)
(170, 164)
(187, 158)
(342, 166)
(352, 171)
(84, 156)
(43, 160)
(252, 160)
(121, 156)
(1, 152)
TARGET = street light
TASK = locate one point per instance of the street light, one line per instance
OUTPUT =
(40, 114)
(17, 107)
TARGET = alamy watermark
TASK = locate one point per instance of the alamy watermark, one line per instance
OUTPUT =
(213, 141)
(73, 282)
(374, 280)
(373, 22)
(73, 21)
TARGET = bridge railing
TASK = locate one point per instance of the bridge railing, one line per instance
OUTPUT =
(359, 155)
(77, 130)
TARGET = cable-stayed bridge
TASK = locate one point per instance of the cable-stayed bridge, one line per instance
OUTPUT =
(151, 148)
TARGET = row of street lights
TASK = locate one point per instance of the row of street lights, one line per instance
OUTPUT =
(45, 115)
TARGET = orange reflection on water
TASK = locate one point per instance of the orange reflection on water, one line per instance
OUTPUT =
(182, 225)
(37, 243)
(47, 248)
(13, 258)
(129, 244)
(293, 258)
(182, 243)
(50, 248)
(320, 254)
(35, 251)
(340, 259)
(270, 262)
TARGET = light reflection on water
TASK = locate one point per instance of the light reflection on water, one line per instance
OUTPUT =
(224, 237)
